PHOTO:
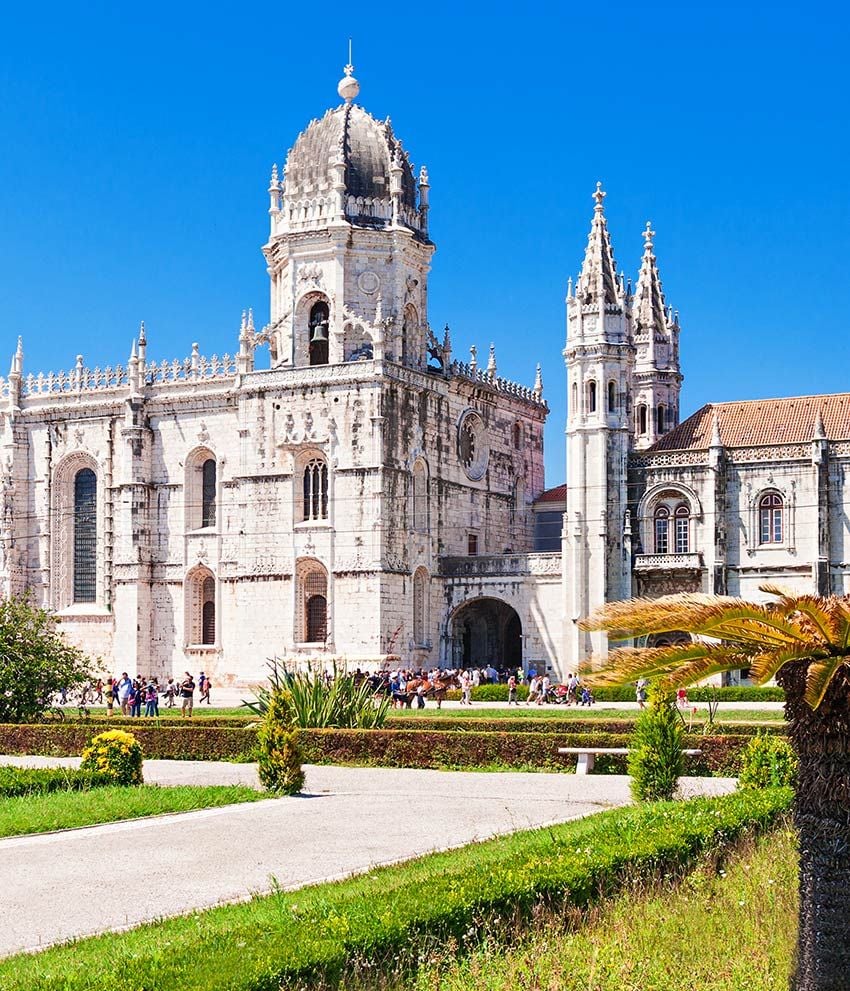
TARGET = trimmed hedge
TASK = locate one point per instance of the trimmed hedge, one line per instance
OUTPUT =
(18, 781)
(378, 748)
(389, 918)
(626, 693)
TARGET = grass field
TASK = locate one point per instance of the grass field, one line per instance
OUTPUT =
(480, 711)
(66, 810)
(727, 931)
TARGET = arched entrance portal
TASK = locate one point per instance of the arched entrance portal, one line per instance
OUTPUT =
(486, 631)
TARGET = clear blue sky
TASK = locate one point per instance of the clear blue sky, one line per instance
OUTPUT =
(135, 147)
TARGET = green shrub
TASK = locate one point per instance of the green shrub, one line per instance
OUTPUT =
(767, 762)
(385, 917)
(116, 754)
(279, 755)
(655, 758)
(19, 781)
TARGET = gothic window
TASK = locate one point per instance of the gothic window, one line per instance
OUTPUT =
(574, 403)
(472, 544)
(85, 536)
(208, 486)
(591, 396)
(682, 527)
(641, 419)
(420, 497)
(410, 337)
(472, 445)
(612, 397)
(318, 330)
(200, 609)
(517, 436)
(311, 622)
(662, 528)
(420, 606)
(315, 490)
(660, 418)
(771, 521)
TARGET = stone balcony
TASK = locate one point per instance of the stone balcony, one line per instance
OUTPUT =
(501, 565)
(669, 562)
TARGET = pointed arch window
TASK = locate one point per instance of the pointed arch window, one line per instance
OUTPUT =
(591, 396)
(612, 397)
(315, 490)
(201, 625)
(208, 611)
(208, 492)
(771, 519)
(311, 621)
(85, 536)
(574, 402)
(641, 419)
(660, 419)
(420, 498)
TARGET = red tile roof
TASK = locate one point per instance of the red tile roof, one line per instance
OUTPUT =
(558, 494)
(761, 421)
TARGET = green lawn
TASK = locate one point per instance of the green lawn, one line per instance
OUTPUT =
(288, 939)
(479, 710)
(66, 810)
(727, 931)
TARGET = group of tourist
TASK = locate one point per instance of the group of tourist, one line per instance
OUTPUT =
(130, 695)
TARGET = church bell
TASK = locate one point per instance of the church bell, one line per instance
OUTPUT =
(320, 333)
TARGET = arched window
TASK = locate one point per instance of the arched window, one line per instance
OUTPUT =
(662, 530)
(682, 524)
(311, 621)
(420, 606)
(574, 402)
(318, 330)
(420, 497)
(641, 419)
(660, 418)
(612, 397)
(517, 436)
(208, 611)
(315, 490)
(200, 608)
(771, 519)
(591, 396)
(208, 486)
(85, 536)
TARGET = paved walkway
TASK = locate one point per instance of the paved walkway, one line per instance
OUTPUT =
(65, 885)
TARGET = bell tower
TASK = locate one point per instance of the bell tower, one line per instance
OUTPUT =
(600, 357)
(348, 252)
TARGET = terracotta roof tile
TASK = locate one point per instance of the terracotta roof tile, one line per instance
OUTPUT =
(759, 422)
(557, 494)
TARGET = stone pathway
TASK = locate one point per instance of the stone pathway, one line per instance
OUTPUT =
(65, 885)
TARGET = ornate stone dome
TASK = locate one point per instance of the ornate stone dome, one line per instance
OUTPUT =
(349, 154)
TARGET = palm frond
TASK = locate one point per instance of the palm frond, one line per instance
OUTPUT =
(818, 677)
(697, 659)
(819, 612)
(643, 617)
(765, 665)
(747, 621)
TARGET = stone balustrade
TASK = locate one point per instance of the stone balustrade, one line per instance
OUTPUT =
(668, 562)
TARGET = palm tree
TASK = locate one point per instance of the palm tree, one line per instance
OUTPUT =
(803, 641)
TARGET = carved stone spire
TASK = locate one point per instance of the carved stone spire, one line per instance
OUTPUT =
(598, 279)
(818, 433)
(538, 384)
(648, 308)
(715, 431)
(491, 361)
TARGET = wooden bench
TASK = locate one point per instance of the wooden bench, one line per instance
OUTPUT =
(587, 755)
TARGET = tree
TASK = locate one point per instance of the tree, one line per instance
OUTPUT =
(655, 751)
(279, 753)
(35, 661)
(804, 642)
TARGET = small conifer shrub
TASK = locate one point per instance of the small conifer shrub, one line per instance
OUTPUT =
(279, 754)
(767, 762)
(655, 748)
(117, 754)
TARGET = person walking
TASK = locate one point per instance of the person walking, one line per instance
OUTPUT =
(512, 694)
(170, 693)
(150, 699)
(465, 688)
(205, 689)
(544, 690)
(640, 692)
(124, 688)
(98, 692)
(187, 695)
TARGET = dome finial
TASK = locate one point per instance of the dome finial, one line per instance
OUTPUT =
(599, 196)
(348, 87)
